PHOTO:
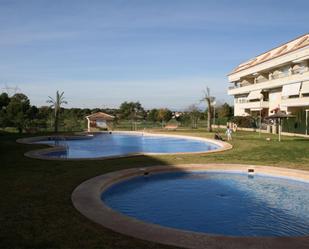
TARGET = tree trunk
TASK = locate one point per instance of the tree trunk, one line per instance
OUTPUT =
(56, 121)
(209, 129)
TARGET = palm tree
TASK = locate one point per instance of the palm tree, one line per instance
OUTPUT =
(209, 100)
(56, 104)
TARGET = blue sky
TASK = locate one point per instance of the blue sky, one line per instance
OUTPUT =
(162, 53)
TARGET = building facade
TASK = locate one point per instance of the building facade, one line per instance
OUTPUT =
(275, 80)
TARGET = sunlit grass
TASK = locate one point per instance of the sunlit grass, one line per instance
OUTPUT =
(36, 209)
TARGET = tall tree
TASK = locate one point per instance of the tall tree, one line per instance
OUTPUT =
(164, 115)
(18, 111)
(153, 115)
(132, 111)
(194, 115)
(225, 111)
(208, 100)
(56, 104)
(4, 100)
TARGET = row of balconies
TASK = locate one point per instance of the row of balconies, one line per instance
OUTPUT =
(288, 102)
(269, 84)
(273, 76)
(298, 57)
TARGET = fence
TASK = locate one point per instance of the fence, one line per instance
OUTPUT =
(296, 124)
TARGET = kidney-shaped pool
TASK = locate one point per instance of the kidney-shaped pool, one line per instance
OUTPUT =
(122, 144)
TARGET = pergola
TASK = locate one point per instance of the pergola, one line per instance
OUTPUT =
(99, 120)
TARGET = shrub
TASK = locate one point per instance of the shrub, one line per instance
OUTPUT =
(245, 122)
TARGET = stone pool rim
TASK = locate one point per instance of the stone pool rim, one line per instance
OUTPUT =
(86, 198)
(43, 153)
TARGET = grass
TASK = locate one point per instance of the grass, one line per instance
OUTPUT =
(35, 205)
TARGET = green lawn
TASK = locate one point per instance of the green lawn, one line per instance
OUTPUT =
(35, 205)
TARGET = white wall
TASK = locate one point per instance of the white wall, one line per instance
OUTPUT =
(274, 99)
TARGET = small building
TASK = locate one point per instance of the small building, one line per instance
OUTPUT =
(99, 120)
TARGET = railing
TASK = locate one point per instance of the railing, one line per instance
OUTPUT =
(300, 70)
(245, 100)
(239, 85)
(280, 75)
(274, 77)
(261, 80)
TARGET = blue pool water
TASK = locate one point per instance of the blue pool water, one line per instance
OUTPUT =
(216, 203)
(117, 144)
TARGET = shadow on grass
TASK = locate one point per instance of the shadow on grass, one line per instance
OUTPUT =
(35, 196)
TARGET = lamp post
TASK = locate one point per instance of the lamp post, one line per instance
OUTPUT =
(307, 111)
(261, 99)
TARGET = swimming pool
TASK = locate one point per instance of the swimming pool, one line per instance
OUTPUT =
(225, 203)
(177, 200)
(122, 144)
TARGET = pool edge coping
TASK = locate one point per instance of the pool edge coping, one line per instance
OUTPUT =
(41, 153)
(86, 198)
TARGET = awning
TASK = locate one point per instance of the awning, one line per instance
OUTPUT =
(291, 89)
(305, 87)
(254, 95)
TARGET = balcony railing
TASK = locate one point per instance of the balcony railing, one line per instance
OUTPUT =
(261, 80)
(300, 101)
(254, 104)
(274, 77)
(239, 85)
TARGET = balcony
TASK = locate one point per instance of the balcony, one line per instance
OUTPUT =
(282, 79)
(295, 102)
(295, 56)
(253, 105)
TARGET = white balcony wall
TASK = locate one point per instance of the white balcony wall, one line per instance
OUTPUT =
(295, 102)
(273, 63)
(270, 84)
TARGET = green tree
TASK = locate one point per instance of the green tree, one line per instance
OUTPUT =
(164, 115)
(225, 111)
(153, 115)
(132, 111)
(18, 111)
(4, 100)
(56, 104)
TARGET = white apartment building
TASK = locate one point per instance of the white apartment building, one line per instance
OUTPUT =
(276, 79)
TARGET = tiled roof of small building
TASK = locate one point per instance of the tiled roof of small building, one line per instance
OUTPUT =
(100, 115)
